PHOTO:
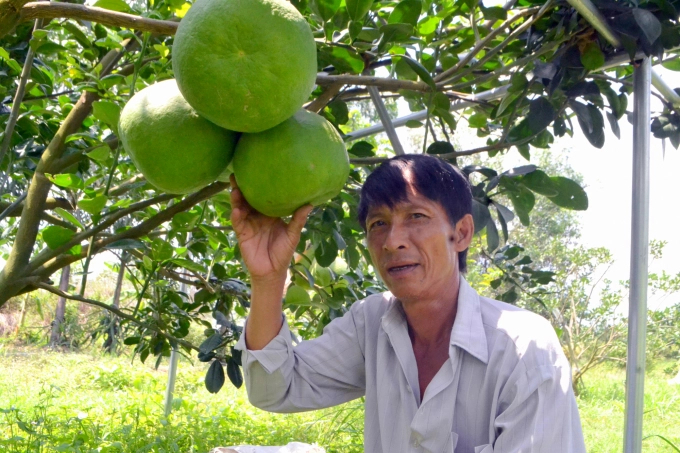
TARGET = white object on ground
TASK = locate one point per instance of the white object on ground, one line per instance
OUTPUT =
(292, 447)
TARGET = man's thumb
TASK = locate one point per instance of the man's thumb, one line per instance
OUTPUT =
(300, 218)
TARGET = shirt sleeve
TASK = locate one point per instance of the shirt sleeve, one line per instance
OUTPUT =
(538, 412)
(318, 373)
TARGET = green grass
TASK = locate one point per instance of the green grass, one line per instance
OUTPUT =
(78, 402)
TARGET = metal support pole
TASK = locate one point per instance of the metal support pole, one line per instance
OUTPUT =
(172, 370)
(385, 119)
(637, 315)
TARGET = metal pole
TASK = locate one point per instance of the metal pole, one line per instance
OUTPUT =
(385, 119)
(637, 314)
(172, 370)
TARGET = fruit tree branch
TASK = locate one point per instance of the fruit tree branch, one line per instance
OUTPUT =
(50, 203)
(324, 98)
(10, 13)
(381, 82)
(117, 312)
(52, 10)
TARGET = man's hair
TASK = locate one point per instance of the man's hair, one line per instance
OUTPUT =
(431, 177)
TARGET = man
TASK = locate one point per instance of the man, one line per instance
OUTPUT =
(442, 369)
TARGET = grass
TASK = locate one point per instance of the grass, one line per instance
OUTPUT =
(78, 402)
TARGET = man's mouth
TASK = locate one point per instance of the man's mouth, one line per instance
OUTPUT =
(402, 268)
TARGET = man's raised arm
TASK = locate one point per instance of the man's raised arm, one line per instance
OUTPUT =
(267, 245)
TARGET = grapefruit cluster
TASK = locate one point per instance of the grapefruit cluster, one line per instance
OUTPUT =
(243, 69)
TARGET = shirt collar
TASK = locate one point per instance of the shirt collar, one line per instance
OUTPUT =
(468, 330)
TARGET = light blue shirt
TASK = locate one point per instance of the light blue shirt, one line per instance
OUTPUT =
(506, 387)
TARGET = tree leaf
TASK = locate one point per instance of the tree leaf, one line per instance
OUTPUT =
(125, 244)
(592, 57)
(211, 343)
(596, 136)
(64, 214)
(94, 205)
(569, 194)
(418, 69)
(494, 13)
(477, 120)
(107, 112)
(541, 114)
(234, 372)
(539, 182)
(428, 25)
(357, 9)
(523, 201)
(672, 65)
(648, 23)
(492, 239)
(188, 264)
(214, 378)
(297, 295)
(56, 236)
(480, 215)
(326, 252)
(325, 8)
(504, 212)
(362, 149)
(406, 12)
(113, 5)
(614, 123)
(394, 33)
(66, 180)
(346, 60)
(440, 148)
(519, 171)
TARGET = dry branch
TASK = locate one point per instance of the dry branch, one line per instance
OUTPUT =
(53, 10)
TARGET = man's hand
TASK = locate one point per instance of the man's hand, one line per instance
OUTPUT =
(267, 246)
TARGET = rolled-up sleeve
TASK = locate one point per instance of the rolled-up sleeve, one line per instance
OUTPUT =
(314, 374)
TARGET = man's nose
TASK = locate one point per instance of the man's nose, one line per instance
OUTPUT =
(397, 238)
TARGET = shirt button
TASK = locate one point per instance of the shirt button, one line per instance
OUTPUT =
(416, 443)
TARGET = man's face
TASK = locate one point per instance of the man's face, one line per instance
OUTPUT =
(414, 248)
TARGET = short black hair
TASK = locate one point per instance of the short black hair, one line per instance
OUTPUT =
(433, 178)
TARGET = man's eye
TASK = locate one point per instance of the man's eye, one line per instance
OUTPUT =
(418, 215)
(377, 223)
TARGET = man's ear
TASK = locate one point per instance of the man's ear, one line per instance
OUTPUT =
(465, 229)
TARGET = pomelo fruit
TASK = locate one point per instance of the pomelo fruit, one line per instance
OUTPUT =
(176, 149)
(246, 65)
(301, 161)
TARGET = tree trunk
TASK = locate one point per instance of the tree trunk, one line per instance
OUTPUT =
(112, 335)
(55, 337)
(22, 315)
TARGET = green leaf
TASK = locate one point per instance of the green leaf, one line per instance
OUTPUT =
(480, 215)
(296, 295)
(346, 60)
(505, 102)
(357, 9)
(55, 236)
(477, 120)
(94, 205)
(428, 25)
(211, 343)
(406, 12)
(648, 23)
(413, 124)
(418, 69)
(326, 252)
(214, 379)
(100, 154)
(234, 372)
(161, 250)
(539, 182)
(188, 264)
(596, 135)
(113, 5)
(339, 111)
(523, 201)
(494, 13)
(392, 33)
(66, 180)
(541, 114)
(77, 34)
(592, 57)
(67, 216)
(492, 239)
(339, 241)
(325, 8)
(125, 244)
(614, 123)
(440, 148)
(672, 65)
(504, 212)
(569, 194)
(216, 235)
(107, 112)
(362, 149)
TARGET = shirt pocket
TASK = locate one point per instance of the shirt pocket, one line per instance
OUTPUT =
(488, 448)
(451, 443)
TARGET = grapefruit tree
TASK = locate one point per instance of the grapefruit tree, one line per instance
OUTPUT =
(70, 189)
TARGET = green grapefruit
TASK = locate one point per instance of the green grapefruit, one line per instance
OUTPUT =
(176, 149)
(301, 161)
(246, 65)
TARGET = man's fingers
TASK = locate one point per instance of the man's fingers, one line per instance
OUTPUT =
(299, 219)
